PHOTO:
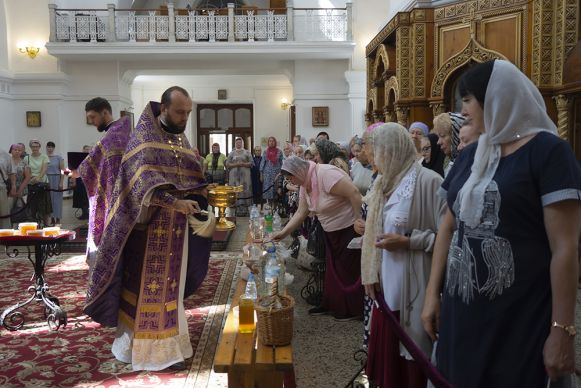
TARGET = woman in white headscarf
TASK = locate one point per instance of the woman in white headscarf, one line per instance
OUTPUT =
(403, 214)
(508, 242)
(239, 163)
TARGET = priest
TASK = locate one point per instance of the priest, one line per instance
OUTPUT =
(154, 242)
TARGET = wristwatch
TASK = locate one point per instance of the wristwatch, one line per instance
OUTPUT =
(569, 329)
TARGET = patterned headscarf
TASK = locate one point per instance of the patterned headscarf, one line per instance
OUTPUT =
(457, 121)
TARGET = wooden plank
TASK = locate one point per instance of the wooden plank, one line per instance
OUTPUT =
(227, 346)
(240, 380)
(264, 379)
(283, 358)
(244, 357)
(264, 356)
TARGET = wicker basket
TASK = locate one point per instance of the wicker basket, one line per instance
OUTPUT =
(275, 327)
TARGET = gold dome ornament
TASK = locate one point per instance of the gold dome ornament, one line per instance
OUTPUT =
(223, 196)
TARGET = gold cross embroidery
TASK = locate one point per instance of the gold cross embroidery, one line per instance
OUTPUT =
(173, 285)
(159, 232)
(153, 286)
(178, 233)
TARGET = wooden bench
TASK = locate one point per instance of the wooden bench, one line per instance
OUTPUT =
(248, 362)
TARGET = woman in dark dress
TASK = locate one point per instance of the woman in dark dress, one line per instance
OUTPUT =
(505, 258)
(255, 176)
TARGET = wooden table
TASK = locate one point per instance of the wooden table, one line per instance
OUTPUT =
(248, 362)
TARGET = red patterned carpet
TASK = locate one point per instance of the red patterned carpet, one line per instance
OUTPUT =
(79, 355)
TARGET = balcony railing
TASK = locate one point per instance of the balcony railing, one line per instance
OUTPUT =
(200, 25)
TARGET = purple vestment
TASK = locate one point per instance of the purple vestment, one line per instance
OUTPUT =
(152, 166)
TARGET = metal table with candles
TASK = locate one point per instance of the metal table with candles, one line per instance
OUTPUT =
(45, 247)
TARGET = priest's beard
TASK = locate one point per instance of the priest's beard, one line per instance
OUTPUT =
(168, 125)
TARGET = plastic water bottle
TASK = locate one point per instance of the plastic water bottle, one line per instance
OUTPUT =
(254, 213)
(267, 218)
(251, 291)
(272, 268)
(276, 222)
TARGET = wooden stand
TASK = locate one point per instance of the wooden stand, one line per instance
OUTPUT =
(248, 362)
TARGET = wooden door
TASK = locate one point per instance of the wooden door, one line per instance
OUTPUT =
(222, 124)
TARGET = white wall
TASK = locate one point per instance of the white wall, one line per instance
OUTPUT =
(264, 92)
(322, 83)
(27, 20)
(369, 17)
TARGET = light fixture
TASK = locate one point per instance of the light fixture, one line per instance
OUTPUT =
(29, 49)
(284, 104)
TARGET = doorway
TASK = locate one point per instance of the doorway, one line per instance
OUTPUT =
(222, 124)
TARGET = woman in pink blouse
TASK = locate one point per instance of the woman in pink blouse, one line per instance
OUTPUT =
(329, 192)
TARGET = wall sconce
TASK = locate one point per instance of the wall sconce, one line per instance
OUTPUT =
(29, 49)
(284, 104)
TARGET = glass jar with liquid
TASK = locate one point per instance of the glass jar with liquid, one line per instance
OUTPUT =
(245, 314)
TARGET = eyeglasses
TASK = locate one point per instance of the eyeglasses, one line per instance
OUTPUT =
(426, 149)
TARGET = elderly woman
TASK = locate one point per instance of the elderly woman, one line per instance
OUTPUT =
(402, 219)
(447, 127)
(56, 180)
(328, 192)
(255, 175)
(361, 171)
(239, 163)
(327, 152)
(270, 168)
(39, 196)
(433, 157)
(417, 131)
(22, 172)
(468, 134)
(508, 242)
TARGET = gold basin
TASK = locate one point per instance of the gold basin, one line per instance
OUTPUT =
(223, 197)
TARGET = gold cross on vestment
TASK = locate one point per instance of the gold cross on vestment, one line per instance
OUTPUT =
(179, 233)
(153, 286)
(159, 232)
(173, 285)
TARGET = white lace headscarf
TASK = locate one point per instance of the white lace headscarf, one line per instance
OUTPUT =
(513, 108)
(394, 155)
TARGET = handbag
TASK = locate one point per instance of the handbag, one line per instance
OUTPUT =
(20, 212)
(316, 241)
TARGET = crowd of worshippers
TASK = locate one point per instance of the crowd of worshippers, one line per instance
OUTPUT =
(467, 233)
(35, 176)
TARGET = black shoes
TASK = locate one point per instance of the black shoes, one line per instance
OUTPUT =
(344, 317)
(178, 366)
(318, 311)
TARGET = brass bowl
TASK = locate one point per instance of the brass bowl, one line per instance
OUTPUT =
(223, 197)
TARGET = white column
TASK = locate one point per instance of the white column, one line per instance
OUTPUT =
(172, 22)
(349, 34)
(111, 35)
(52, 22)
(290, 30)
(357, 96)
(230, 22)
